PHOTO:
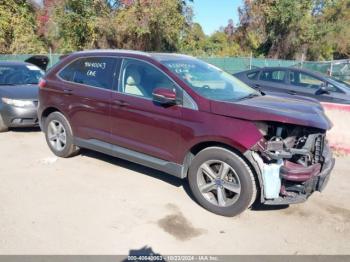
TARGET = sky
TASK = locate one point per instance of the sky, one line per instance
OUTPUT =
(212, 14)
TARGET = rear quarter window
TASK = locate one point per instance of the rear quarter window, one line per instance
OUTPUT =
(92, 71)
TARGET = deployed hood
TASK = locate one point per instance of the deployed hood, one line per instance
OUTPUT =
(20, 91)
(277, 109)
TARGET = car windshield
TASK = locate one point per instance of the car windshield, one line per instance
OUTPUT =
(20, 74)
(210, 81)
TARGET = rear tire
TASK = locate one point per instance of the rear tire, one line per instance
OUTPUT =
(3, 127)
(59, 136)
(222, 182)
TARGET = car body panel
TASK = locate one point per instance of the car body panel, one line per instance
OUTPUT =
(141, 125)
(277, 109)
(88, 108)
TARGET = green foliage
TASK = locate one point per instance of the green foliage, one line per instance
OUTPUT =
(193, 40)
(18, 28)
(80, 24)
(151, 25)
(312, 29)
(309, 29)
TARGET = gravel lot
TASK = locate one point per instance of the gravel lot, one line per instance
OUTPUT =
(95, 204)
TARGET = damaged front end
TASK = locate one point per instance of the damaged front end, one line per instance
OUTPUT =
(291, 161)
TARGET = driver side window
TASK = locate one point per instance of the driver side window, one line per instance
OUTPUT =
(140, 79)
(300, 79)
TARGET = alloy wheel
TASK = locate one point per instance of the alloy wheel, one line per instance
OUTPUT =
(57, 135)
(218, 183)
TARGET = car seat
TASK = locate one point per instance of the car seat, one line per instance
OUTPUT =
(133, 82)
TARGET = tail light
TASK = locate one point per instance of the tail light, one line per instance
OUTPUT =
(42, 83)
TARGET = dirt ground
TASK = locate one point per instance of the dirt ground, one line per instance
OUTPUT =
(95, 204)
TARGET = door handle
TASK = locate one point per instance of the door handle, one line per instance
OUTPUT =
(120, 103)
(68, 91)
(292, 92)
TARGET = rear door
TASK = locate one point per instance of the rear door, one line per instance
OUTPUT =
(87, 89)
(272, 80)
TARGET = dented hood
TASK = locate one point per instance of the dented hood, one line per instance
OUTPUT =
(277, 109)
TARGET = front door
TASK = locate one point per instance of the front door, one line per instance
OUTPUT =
(305, 84)
(140, 124)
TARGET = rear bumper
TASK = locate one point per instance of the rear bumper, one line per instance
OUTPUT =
(19, 116)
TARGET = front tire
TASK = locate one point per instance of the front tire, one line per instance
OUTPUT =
(59, 136)
(3, 127)
(222, 182)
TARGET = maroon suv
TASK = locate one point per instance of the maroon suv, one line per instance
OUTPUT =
(189, 119)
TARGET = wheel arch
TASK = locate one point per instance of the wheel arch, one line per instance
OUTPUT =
(46, 112)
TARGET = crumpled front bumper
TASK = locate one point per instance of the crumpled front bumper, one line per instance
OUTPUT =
(324, 175)
(317, 182)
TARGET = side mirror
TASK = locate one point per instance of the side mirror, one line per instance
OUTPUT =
(322, 90)
(164, 96)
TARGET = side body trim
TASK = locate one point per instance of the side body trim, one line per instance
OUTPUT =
(132, 156)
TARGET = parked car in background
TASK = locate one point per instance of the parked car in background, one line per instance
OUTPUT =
(190, 119)
(294, 81)
(18, 94)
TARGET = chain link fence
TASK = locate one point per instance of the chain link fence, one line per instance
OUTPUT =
(337, 68)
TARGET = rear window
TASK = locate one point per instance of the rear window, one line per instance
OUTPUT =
(273, 75)
(93, 71)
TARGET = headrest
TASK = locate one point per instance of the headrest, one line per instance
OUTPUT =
(133, 76)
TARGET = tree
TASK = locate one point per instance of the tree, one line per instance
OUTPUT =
(336, 24)
(18, 28)
(313, 29)
(277, 29)
(81, 24)
(193, 40)
(151, 25)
